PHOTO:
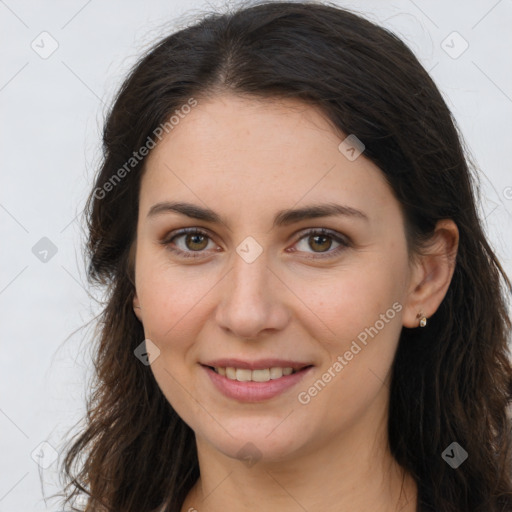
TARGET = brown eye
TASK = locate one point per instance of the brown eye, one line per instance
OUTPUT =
(189, 242)
(322, 242)
(196, 241)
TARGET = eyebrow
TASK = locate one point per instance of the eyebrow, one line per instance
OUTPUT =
(282, 218)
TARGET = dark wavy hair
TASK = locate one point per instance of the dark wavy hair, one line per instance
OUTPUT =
(450, 381)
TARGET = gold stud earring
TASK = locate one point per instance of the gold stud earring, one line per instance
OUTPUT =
(422, 318)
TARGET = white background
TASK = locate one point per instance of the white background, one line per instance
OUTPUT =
(52, 112)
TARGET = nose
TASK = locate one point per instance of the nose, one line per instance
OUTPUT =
(252, 300)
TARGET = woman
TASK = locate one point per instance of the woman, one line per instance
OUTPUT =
(303, 312)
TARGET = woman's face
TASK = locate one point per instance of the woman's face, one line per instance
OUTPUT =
(263, 285)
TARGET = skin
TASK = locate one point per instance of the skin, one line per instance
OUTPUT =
(246, 159)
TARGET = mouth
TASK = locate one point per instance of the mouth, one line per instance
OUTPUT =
(255, 385)
(259, 375)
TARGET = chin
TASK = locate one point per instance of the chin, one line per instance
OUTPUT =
(257, 442)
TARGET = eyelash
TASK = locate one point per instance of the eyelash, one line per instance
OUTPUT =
(344, 243)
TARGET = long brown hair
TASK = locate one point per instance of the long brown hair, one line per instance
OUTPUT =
(451, 381)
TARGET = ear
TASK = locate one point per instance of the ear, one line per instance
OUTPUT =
(136, 307)
(432, 272)
(131, 274)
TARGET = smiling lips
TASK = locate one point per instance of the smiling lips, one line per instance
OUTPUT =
(246, 375)
(255, 381)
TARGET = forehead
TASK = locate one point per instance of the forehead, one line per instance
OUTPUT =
(258, 153)
(228, 126)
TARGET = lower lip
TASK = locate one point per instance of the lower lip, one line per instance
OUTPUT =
(255, 391)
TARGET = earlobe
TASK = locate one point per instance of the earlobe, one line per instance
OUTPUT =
(432, 275)
(136, 307)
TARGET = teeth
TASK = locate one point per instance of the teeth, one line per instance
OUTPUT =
(261, 375)
(275, 373)
(245, 375)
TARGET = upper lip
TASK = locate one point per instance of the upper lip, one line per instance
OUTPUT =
(260, 364)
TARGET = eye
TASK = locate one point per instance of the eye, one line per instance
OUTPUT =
(192, 242)
(321, 241)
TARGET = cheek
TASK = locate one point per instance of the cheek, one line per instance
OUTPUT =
(171, 296)
(362, 308)
(174, 302)
(346, 302)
